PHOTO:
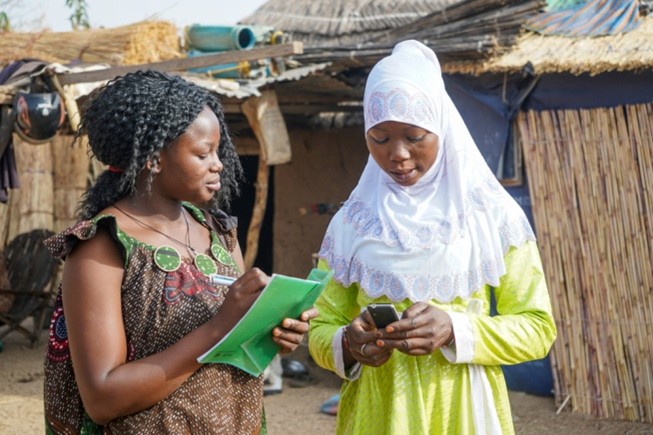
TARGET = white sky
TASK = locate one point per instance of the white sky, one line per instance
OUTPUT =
(29, 15)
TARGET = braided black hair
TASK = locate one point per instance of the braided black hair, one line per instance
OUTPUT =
(132, 118)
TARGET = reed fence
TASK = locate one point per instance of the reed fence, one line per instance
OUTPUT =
(591, 182)
(53, 177)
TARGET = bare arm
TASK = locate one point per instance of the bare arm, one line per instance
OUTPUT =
(110, 386)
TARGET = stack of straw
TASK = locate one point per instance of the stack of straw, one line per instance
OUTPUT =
(560, 54)
(591, 182)
(138, 43)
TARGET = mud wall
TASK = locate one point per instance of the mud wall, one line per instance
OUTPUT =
(325, 167)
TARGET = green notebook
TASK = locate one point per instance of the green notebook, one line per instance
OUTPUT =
(249, 344)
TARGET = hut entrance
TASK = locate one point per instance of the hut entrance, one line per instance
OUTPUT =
(243, 207)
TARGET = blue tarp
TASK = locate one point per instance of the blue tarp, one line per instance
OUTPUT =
(485, 102)
(587, 18)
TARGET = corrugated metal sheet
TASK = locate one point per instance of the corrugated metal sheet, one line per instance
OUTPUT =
(242, 89)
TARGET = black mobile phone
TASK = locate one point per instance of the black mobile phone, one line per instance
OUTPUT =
(383, 314)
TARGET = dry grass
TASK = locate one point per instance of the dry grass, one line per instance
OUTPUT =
(138, 43)
(557, 54)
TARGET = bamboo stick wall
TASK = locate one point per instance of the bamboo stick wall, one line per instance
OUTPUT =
(53, 177)
(591, 182)
(31, 206)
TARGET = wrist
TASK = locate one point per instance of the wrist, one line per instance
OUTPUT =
(452, 339)
(345, 340)
(347, 357)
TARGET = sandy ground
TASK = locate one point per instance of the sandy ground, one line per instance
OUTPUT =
(295, 411)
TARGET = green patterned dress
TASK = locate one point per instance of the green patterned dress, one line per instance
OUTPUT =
(159, 308)
(455, 390)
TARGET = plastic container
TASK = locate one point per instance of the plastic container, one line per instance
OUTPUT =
(220, 38)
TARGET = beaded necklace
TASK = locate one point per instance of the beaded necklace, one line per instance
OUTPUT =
(167, 258)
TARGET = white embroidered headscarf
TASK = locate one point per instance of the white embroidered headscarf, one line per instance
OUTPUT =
(446, 235)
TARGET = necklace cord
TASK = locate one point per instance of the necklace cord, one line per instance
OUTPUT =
(168, 259)
(188, 246)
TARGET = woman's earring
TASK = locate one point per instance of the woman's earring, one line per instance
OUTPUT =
(153, 166)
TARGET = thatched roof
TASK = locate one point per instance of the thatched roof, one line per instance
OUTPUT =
(358, 33)
(334, 22)
(339, 89)
(557, 54)
(470, 36)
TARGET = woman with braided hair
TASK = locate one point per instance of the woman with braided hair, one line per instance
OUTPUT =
(136, 307)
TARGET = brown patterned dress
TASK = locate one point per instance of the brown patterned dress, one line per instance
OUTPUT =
(158, 308)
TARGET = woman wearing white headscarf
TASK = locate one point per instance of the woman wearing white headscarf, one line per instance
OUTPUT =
(429, 229)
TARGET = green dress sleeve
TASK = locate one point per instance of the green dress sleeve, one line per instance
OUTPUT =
(524, 328)
(337, 306)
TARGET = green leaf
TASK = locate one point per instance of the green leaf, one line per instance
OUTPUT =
(5, 25)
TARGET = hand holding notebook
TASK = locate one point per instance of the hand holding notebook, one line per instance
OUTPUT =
(249, 345)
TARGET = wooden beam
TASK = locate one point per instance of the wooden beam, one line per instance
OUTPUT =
(296, 95)
(315, 108)
(294, 109)
(231, 108)
(247, 146)
(235, 56)
(72, 109)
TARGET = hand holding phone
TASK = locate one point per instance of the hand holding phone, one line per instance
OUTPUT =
(383, 314)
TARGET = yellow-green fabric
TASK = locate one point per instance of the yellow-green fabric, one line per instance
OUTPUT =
(428, 394)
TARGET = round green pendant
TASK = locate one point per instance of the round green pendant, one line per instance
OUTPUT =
(221, 254)
(167, 258)
(205, 264)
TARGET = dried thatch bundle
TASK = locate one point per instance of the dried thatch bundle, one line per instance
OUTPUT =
(556, 54)
(358, 33)
(143, 42)
(318, 23)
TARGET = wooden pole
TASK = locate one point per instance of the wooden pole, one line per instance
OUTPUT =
(265, 118)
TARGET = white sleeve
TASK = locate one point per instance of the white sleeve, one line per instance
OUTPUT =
(354, 371)
(462, 349)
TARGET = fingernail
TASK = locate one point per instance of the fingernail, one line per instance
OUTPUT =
(379, 343)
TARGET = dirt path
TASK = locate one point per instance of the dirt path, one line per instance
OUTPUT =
(294, 411)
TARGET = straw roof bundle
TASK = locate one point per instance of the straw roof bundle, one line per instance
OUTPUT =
(557, 54)
(469, 21)
(142, 42)
(590, 181)
(358, 33)
(318, 23)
